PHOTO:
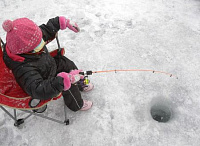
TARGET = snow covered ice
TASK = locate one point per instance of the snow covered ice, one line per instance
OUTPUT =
(146, 34)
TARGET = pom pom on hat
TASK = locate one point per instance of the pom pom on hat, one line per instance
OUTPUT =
(7, 25)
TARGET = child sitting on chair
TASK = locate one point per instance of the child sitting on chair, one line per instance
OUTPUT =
(38, 73)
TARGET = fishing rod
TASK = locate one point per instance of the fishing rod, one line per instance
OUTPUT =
(86, 73)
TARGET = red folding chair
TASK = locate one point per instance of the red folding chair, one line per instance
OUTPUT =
(12, 95)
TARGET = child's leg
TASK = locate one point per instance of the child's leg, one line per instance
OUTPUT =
(72, 97)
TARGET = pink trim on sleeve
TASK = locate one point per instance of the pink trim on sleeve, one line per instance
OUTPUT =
(62, 21)
(66, 80)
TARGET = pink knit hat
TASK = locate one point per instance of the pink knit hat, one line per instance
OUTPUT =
(23, 35)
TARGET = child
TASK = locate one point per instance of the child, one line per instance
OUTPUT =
(38, 74)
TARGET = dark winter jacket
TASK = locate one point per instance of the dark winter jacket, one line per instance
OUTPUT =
(37, 74)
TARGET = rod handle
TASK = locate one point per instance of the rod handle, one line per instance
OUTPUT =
(86, 73)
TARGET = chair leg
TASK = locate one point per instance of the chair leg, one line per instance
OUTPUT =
(7, 112)
(48, 118)
(18, 122)
(66, 119)
(15, 114)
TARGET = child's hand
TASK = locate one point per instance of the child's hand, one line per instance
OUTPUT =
(75, 76)
(70, 78)
(64, 23)
(72, 26)
(66, 80)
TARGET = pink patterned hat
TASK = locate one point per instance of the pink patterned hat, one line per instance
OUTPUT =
(23, 35)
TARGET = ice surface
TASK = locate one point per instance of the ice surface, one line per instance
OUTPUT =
(147, 34)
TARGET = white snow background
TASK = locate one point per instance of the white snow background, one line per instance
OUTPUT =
(161, 35)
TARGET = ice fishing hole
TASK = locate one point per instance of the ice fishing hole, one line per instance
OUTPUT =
(161, 111)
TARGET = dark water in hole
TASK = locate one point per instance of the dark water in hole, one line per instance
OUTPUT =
(161, 113)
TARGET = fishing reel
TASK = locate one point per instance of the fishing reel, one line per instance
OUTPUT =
(85, 81)
(86, 74)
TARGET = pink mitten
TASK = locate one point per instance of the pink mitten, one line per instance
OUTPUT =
(66, 81)
(75, 76)
(64, 23)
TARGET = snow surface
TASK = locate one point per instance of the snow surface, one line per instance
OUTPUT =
(145, 34)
